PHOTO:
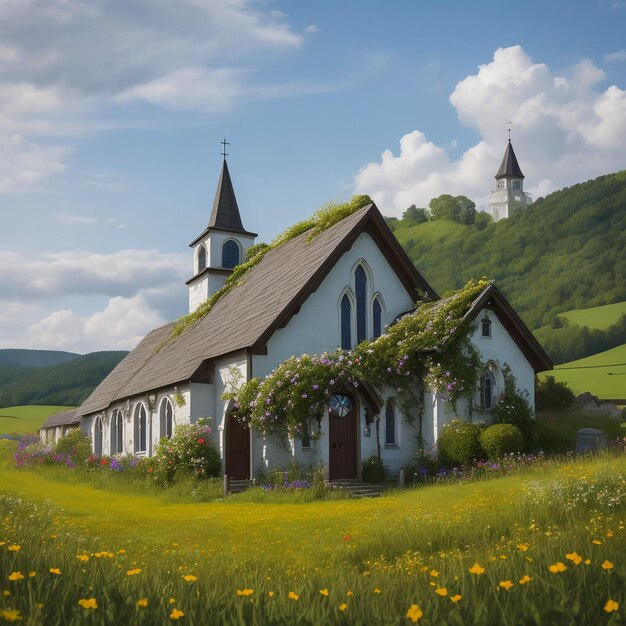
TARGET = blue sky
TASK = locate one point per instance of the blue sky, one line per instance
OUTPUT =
(111, 114)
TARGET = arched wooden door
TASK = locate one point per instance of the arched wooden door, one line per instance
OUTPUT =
(342, 433)
(237, 448)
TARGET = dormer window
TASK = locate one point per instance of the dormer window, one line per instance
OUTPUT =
(485, 326)
(230, 254)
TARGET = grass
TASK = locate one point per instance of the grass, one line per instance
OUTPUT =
(600, 317)
(602, 374)
(349, 561)
(26, 419)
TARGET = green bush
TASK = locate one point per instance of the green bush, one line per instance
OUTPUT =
(500, 439)
(421, 467)
(189, 453)
(514, 407)
(76, 444)
(373, 470)
(459, 443)
(554, 396)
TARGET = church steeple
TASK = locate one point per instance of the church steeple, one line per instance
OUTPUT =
(221, 246)
(509, 166)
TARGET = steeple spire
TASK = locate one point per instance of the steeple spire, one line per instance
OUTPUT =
(225, 212)
(509, 165)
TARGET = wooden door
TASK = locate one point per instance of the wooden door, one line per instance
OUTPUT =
(342, 433)
(237, 448)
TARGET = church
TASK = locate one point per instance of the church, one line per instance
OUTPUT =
(306, 296)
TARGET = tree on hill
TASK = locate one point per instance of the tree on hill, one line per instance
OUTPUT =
(457, 208)
(413, 214)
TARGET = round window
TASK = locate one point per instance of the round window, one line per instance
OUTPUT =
(339, 406)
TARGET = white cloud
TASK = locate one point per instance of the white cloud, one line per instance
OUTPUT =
(616, 57)
(565, 130)
(120, 326)
(71, 218)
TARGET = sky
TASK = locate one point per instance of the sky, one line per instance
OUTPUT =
(112, 113)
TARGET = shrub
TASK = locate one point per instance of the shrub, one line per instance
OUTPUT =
(189, 453)
(373, 470)
(459, 443)
(76, 445)
(514, 408)
(553, 396)
(500, 439)
(421, 467)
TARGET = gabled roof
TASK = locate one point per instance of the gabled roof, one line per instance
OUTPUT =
(64, 418)
(246, 317)
(509, 166)
(225, 213)
(493, 299)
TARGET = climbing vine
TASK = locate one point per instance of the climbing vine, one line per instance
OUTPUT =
(429, 346)
(321, 220)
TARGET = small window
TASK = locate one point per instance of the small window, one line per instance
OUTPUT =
(165, 418)
(306, 435)
(346, 314)
(140, 428)
(501, 184)
(485, 326)
(390, 424)
(117, 432)
(360, 288)
(377, 318)
(202, 258)
(230, 254)
(516, 184)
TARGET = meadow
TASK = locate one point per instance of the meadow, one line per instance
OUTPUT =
(603, 374)
(600, 317)
(26, 419)
(543, 546)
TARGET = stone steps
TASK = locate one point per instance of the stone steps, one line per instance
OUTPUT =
(359, 489)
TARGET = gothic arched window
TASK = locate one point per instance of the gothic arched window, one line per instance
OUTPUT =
(202, 258)
(377, 318)
(346, 322)
(230, 254)
(390, 424)
(97, 436)
(488, 389)
(166, 412)
(360, 288)
(140, 425)
(117, 432)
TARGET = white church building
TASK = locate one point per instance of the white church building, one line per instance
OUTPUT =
(304, 297)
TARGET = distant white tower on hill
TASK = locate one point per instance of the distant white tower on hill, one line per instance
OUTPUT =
(509, 192)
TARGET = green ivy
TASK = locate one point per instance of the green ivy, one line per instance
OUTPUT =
(430, 346)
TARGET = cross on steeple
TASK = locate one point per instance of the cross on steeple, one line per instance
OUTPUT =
(509, 128)
(224, 143)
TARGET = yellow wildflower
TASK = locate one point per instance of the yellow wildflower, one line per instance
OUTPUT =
(16, 576)
(343, 606)
(55, 570)
(14, 548)
(441, 591)
(10, 615)
(39, 605)
(587, 561)
(270, 594)
(6, 593)
(522, 546)
(574, 557)
(414, 613)
(477, 569)
(505, 584)
(293, 596)
(244, 592)
(557, 567)
(455, 598)
(324, 592)
(377, 590)
(190, 578)
(607, 565)
(525, 579)
(597, 542)
(88, 603)
(83, 557)
(611, 606)
(434, 573)
(32, 574)
(133, 572)
(172, 600)
(349, 593)
(122, 551)
(143, 603)
(176, 614)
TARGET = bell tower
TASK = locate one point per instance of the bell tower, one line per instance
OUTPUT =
(221, 246)
(509, 192)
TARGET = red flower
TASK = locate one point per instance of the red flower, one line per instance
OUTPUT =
(103, 462)
(200, 440)
(347, 537)
(150, 470)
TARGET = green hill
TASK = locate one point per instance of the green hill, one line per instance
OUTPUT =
(66, 384)
(35, 358)
(602, 374)
(26, 419)
(565, 252)
(599, 317)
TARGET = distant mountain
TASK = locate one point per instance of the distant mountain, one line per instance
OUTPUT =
(35, 358)
(566, 251)
(67, 383)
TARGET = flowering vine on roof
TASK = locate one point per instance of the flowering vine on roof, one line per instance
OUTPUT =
(429, 346)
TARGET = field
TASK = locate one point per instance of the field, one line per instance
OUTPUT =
(542, 547)
(603, 374)
(600, 317)
(26, 419)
